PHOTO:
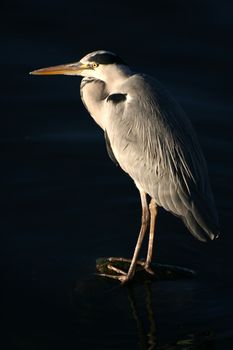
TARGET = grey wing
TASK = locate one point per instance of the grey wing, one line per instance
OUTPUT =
(109, 148)
(156, 145)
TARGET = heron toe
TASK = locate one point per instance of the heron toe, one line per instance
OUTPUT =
(143, 264)
(122, 278)
(148, 269)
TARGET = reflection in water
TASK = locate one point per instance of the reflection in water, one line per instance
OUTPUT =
(148, 339)
(144, 338)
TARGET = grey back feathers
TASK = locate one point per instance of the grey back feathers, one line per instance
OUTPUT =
(156, 145)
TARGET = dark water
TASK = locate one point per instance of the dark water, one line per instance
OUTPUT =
(64, 203)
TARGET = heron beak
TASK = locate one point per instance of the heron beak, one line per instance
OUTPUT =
(65, 69)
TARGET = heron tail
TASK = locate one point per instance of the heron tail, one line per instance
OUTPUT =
(202, 222)
(202, 234)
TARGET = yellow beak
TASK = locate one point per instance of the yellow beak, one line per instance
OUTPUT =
(66, 69)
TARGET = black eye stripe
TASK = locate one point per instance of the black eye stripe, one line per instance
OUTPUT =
(106, 58)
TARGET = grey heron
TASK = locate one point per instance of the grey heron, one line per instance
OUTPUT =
(149, 136)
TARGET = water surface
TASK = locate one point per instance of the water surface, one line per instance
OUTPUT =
(64, 203)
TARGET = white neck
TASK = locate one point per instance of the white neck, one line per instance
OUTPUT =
(107, 80)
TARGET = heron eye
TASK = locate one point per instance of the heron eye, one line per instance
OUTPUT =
(94, 65)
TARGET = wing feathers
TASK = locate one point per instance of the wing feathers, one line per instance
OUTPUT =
(163, 154)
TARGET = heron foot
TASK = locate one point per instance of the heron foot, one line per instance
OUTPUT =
(115, 269)
(141, 263)
(122, 278)
(120, 269)
(118, 273)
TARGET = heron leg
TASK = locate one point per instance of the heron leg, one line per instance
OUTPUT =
(144, 224)
(123, 276)
(153, 216)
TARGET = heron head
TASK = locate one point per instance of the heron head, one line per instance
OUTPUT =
(98, 64)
